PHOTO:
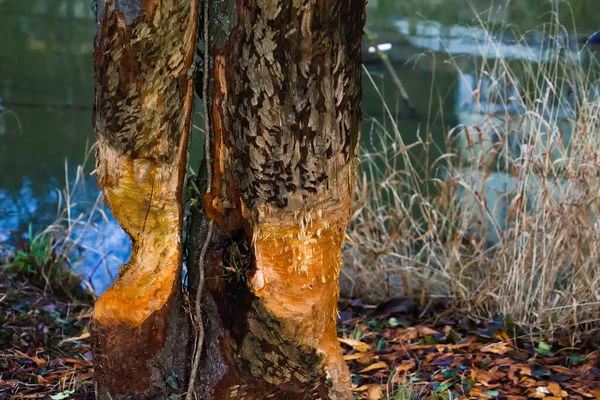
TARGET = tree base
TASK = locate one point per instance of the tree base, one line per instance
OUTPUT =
(150, 361)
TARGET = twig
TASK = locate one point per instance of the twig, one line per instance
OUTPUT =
(191, 392)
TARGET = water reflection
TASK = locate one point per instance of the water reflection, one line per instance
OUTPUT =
(415, 37)
(79, 227)
(46, 92)
(103, 248)
(17, 211)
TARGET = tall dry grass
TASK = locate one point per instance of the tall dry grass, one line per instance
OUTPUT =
(75, 238)
(511, 225)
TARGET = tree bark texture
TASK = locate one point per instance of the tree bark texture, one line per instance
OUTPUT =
(286, 120)
(143, 60)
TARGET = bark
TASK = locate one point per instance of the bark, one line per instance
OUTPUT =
(143, 59)
(285, 123)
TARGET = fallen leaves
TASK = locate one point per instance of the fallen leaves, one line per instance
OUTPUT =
(375, 393)
(40, 362)
(76, 338)
(373, 367)
(44, 350)
(451, 360)
(390, 357)
(355, 344)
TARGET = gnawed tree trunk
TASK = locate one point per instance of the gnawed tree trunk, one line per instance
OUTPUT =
(285, 101)
(285, 127)
(144, 53)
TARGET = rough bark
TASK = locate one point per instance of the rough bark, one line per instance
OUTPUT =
(285, 123)
(143, 59)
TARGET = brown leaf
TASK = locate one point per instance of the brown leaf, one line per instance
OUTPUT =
(405, 366)
(355, 344)
(375, 393)
(584, 392)
(555, 389)
(477, 393)
(351, 357)
(80, 337)
(499, 348)
(561, 370)
(424, 330)
(366, 358)
(513, 376)
(501, 335)
(40, 362)
(372, 367)
(76, 361)
(393, 356)
(406, 335)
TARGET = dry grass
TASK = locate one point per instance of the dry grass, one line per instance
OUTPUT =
(526, 247)
(73, 237)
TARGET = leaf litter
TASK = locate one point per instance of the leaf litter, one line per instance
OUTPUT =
(391, 348)
(44, 341)
(392, 353)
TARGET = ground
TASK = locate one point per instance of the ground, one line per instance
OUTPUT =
(394, 351)
(44, 346)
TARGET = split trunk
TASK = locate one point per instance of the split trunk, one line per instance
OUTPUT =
(284, 117)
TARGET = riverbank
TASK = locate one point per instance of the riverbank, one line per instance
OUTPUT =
(395, 350)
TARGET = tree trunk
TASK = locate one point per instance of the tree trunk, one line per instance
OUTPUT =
(144, 53)
(285, 119)
(285, 127)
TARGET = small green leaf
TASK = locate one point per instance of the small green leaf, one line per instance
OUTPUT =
(444, 387)
(172, 380)
(544, 349)
(467, 385)
(429, 339)
(449, 373)
(576, 358)
(393, 322)
(62, 395)
(492, 393)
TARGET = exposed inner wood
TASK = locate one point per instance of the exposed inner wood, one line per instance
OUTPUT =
(295, 278)
(282, 337)
(145, 200)
(144, 99)
(297, 260)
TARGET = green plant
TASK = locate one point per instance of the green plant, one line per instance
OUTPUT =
(238, 261)
(403, 392)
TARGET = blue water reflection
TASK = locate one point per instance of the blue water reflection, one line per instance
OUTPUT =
(83, 230)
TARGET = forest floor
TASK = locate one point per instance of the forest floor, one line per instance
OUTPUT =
(394, 351)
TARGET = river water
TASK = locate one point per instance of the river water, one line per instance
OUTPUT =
(46, 95)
